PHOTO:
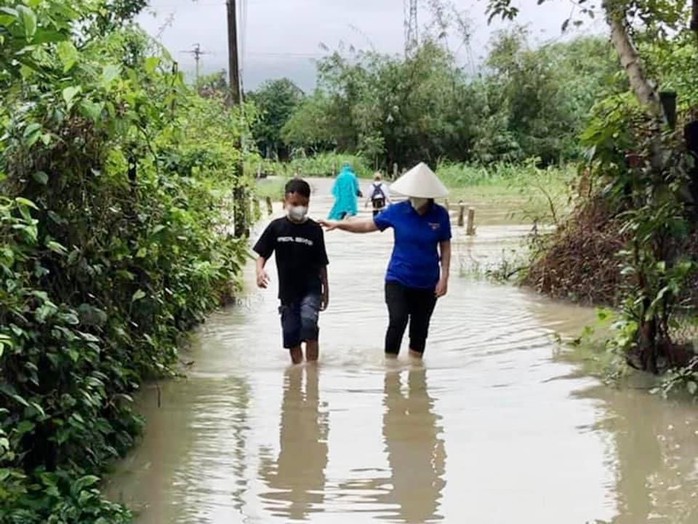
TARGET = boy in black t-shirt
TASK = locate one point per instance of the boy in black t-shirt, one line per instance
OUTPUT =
(301, 262)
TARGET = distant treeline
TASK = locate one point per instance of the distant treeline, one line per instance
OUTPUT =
(527, 102)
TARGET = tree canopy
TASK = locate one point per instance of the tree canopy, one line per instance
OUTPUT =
(525, 102)
(276, 101)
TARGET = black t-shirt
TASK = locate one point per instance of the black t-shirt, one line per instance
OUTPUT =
(300, 254)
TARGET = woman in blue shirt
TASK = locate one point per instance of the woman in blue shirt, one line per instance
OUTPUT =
(420, 263)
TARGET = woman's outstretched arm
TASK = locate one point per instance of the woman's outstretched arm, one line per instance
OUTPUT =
(357, 225)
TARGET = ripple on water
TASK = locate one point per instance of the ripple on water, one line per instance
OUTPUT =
(490, 428)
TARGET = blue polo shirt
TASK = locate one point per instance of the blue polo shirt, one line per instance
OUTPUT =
(415, 259)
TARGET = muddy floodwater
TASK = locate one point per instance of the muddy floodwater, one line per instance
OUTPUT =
(493, 426)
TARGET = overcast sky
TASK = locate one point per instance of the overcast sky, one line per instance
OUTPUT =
(281, 37)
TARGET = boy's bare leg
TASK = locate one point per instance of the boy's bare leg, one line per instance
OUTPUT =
(416, 354)
(312, 350)
(296, 355)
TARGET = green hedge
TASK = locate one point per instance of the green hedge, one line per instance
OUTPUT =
(114, 215)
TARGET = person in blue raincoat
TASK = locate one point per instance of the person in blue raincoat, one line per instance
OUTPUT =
(345, 192)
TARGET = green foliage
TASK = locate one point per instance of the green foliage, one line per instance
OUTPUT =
(276, 101)
(541, 195)
(649, 200)
(644, 181)
(319, 165)
(539, 99)
(681, 380)
(601, 353)
(115, 180)
(673, 63)
(310, 126)
(650, 204)
(527, 103)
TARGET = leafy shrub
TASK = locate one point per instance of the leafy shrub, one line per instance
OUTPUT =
(114, 217)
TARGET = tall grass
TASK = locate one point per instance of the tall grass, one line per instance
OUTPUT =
(540, 195)
(508, 175)
(271, 187)
(320, 165)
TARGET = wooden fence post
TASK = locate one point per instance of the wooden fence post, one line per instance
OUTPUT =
(461, 213)
(470, 230)
(395, 171)
(270, 207)
(256, 208)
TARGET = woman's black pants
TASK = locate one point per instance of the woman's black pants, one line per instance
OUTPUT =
(408, 305)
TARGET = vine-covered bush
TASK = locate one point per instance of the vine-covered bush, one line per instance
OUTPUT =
(115, 181)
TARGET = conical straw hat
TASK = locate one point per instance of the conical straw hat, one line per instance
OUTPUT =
(421, 182)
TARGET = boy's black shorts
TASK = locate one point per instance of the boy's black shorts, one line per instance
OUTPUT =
(299, 320)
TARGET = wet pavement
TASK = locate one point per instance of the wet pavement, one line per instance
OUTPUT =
(493, 427)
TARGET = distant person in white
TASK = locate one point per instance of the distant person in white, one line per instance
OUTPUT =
(378, 194)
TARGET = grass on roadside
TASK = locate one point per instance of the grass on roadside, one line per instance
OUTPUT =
(271, 187)
(320, 165)
(542, 195)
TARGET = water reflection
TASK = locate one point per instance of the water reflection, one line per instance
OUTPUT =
(297, 477)
(416, 452)
(652, 443)
(655, 445)
(529, 450)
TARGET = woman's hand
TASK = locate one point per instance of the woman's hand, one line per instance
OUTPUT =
(442, 287)
(325, 302)
(329, 225)
(262, 278)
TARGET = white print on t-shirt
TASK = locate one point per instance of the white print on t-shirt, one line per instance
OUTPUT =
(297, 240)
(434, 225)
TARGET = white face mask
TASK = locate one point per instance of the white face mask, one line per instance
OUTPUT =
(298, 213)
(418, 202)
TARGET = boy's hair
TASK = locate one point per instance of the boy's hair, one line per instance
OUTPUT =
(377, 176)
(298, 186)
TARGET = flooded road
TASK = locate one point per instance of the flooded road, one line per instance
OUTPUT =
(491, 428)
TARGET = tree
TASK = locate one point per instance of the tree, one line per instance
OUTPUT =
(527, 103)
(276, 101)
(639, 157)
(214, 85)
(310, 127)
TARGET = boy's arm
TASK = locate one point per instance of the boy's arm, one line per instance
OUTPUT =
(264, 248)
(262, 276)
(325, 289)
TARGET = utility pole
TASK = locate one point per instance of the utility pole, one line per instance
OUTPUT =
(233, 59)
(197, 52)
(240, 200)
